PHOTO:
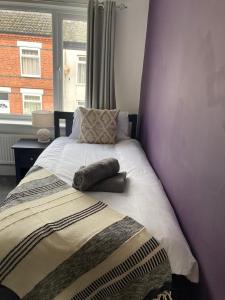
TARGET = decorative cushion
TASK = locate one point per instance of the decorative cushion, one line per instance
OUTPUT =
(98, 126)
(122, 126)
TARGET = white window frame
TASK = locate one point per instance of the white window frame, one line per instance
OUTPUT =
(21, 61)
(31, 92)
(4, 89)
(29, 44)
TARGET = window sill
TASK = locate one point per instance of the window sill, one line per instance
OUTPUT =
(30, 76)
(16, 122)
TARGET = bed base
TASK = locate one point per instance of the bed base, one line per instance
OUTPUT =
(6, 294)
(183, 289)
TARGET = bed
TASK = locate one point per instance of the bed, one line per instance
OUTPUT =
(155, 211)
(144, 198)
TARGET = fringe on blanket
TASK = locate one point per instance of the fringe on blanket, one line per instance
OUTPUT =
(164, 296)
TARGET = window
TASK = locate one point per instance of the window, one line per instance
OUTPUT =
(26, 56)
(33, 56)
(32, 100)
(81, 103)
(4, 103)
(4, 100)
(30, 62)
(81, 70)
(31, 103)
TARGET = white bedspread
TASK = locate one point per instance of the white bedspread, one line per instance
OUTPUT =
(144, 198)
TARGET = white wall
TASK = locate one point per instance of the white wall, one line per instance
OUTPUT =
(72, 91)
(131, 25)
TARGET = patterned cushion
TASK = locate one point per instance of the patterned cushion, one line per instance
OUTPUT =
(98, 126)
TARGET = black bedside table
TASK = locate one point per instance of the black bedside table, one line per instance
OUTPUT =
(26, 152)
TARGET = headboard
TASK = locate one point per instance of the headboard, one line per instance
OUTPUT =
(68, 117)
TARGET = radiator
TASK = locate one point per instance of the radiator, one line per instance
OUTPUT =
(6, 153)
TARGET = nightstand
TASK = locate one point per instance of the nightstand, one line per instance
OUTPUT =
(26, 152)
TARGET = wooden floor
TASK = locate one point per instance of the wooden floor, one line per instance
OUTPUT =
(7, 183)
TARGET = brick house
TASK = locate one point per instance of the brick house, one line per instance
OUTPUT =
(26, 61)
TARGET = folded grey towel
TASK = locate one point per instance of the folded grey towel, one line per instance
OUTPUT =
(90, 175)
(115, 184)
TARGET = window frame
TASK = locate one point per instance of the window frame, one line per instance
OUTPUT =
(81, 63)
(59, 12)
(21, 61)
(5, 90)
(80, 105)
(26, 92)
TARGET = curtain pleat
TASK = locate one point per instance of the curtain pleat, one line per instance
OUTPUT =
(100, 92)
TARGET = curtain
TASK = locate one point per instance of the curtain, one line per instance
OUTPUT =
(100, 91)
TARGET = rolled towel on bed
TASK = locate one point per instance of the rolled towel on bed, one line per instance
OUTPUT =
(90, 175)
(115, 184)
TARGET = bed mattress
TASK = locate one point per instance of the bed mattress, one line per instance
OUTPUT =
(144, 198)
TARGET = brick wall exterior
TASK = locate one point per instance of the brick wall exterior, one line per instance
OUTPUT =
(10, 73)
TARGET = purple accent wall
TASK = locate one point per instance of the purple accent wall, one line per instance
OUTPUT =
(182, 123)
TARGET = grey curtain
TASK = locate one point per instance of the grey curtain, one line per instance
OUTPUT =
(100, 91)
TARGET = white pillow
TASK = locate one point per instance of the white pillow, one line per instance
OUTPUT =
(122, 126)
(75, 134)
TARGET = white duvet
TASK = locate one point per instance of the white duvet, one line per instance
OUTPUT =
(144, 198)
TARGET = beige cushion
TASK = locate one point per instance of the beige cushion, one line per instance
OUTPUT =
(98, 126)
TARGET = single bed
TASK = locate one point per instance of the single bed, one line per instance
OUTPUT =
(144, 198)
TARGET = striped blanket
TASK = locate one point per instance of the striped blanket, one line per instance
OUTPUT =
(58, 243)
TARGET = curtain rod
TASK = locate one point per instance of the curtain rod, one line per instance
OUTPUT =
(119, 6)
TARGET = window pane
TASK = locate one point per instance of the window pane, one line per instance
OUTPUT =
(31, 103)
(30, 66)
(29, 52)
(82, 58)
(29, 107)
(80, 103)
(74, 66)
(32, 98)
(4, 107)
(81, 74)
(26, 48)
(4, 96)
(4, 103)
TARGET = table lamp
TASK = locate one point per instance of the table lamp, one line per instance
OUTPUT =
(43, 119)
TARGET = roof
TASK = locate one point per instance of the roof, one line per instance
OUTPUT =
(75, 31)
(40, 24)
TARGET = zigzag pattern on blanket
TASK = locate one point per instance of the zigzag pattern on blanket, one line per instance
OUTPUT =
(79, 247)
